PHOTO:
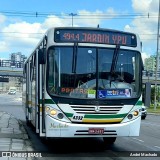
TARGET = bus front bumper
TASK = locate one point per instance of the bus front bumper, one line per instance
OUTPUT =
(55, 128)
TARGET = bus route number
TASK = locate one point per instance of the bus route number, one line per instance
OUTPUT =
(72, 36)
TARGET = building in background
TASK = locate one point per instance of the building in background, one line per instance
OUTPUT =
(14, 63)
(17, 60)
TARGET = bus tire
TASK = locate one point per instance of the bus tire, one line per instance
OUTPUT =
(109, 140)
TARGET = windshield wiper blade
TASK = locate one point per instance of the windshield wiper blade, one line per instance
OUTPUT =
(112, 76)
(114, 60)
(74, 59)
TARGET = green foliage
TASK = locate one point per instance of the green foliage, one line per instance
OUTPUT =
(151, 109)
(153, 93)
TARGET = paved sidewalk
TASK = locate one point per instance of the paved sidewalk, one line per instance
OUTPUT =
(13, 136)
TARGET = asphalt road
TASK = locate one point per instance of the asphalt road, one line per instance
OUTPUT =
(12, 104)
(93, 148)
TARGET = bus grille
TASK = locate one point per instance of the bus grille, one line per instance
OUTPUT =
(92, 109)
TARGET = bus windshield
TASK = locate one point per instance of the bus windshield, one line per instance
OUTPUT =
(91, 72)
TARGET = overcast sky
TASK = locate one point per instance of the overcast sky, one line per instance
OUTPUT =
(23, 22)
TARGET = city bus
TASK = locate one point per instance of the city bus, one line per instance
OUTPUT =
(84, 82)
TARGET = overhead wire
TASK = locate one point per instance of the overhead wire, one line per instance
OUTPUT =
(77, 16)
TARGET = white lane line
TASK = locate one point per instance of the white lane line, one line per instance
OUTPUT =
(138, 139)
(157, 147)
(152, 124)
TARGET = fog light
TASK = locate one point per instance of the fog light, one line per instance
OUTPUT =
(60, 115)
(130, 116)
(53, 112)
(135, 113)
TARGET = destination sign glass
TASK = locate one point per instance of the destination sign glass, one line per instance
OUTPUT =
(95, 36)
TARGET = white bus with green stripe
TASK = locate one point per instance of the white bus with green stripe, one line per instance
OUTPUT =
(84, 82)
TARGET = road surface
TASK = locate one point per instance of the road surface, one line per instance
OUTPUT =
(93, 148)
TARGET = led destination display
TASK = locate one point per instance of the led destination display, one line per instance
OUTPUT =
(95, 36)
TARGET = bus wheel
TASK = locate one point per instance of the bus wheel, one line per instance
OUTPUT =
(109, 140)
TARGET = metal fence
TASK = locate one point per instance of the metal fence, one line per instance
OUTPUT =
(150, 73)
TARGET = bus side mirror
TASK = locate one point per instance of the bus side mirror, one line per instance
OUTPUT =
(42, 56)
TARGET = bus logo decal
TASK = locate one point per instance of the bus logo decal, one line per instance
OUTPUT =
(97, 109)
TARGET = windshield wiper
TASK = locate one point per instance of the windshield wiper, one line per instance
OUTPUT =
(114, 60)
(74, 59)
(114, 64)
(74, 62)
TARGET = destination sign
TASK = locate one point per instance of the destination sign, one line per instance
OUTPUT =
(95, 36)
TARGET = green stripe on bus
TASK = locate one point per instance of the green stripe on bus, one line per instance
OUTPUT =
(69, 115)
(105, 116)
(139, 103)
(47, 101)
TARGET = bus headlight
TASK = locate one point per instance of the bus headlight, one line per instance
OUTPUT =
(53, 112)
(135, 113)
(57, 114)
(132, 115)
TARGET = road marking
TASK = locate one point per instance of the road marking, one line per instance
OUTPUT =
(138, 139)
(157, 147)
(152, 124)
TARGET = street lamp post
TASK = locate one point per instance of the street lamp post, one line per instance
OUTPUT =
(72, 14)
(157, 60)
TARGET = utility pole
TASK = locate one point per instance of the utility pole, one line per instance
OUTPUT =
(72, 14)
(157, 60)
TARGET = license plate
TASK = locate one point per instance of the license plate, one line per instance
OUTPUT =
(96, 130)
